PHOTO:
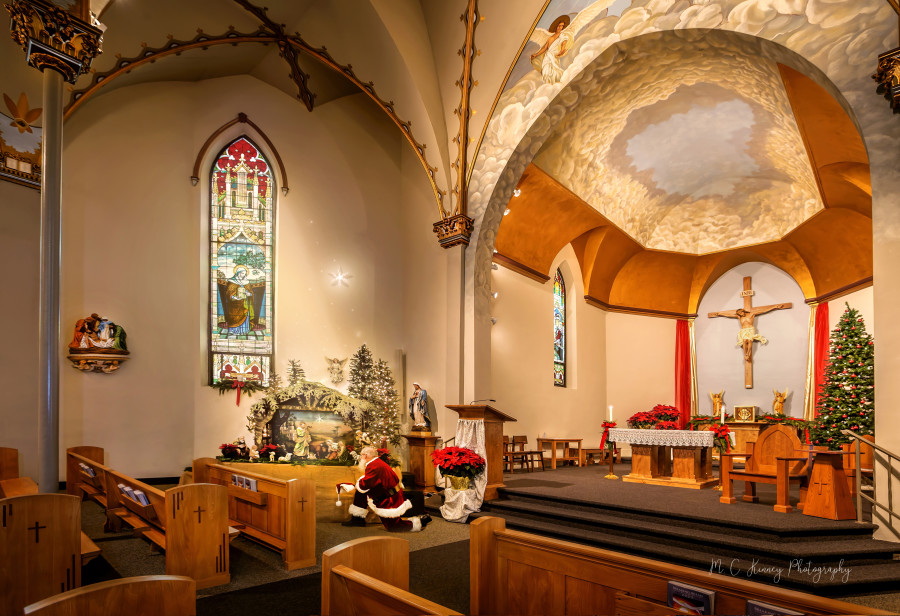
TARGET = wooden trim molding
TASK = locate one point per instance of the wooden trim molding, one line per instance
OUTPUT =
(242, 118)
(599, 303)
(845, 290)
(520, 268)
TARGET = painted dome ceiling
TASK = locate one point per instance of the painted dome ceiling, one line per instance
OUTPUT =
(700, 157)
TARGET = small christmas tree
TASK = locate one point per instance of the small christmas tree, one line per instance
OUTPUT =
(384, 423)
(847, 398)
(274, 381)
(295, 372)
(362, 374)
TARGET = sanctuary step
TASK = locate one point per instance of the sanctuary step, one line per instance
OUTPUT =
(792, 550)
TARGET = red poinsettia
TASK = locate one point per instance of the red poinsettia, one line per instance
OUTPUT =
(666, 425)
(664, 412)
(721, 437)
(458, 462)
(603, 441)
(229, 450)
(642, 420)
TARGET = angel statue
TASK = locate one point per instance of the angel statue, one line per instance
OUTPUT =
(718, 402)
(336, 368)
(778, 403)
(556, 42)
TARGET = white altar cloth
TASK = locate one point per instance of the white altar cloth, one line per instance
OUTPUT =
(668, 438)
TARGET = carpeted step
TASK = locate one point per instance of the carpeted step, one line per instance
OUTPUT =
(777, 527)
(839, 579)
(852, 549)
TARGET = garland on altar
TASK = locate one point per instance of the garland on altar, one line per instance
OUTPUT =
(699, 421)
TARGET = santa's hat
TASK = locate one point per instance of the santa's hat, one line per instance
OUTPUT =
(343, 487)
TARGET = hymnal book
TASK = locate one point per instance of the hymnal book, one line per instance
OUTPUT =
(128, 490)
(241, 482)
(250, 484)
(687, 599)
(758, 608)
(234, 479)
(141, 497)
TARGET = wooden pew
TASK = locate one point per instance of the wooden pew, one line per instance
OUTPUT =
(370, 576)
(40, 548)
(771, 459)
(9, 463)
(189, 522)
(280, 514)
(20, 486)
(519, 573)
(90, 483)
(149, 595)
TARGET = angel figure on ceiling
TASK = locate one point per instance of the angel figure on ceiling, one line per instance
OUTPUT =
(556, 42)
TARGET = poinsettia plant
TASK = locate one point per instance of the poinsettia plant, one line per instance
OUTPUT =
(664, 412)
(721, 437)
(666, 425)
(458, 462)
(230, 451)
(642, 420)
(604, 440)
(386, 456)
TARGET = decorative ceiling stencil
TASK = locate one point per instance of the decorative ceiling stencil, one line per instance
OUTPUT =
(698, 156)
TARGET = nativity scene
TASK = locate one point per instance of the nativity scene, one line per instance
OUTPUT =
(457, 306)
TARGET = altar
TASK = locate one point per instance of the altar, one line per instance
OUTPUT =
(680, 458)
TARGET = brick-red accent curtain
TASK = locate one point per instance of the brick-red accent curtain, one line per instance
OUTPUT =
(683, 371)
(821, 347)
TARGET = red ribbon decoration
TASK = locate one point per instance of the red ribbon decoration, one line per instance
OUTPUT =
(807, 436)
(239, 385)
(603, 439)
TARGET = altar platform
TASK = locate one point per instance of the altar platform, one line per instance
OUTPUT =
(692, 528)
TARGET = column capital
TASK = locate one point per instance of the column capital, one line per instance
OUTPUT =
(454, 230)
(53, 38)
(888, 77)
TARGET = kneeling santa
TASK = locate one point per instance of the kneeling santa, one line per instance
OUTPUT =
(379, 489)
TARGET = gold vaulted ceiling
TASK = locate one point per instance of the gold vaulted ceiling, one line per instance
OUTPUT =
(662, 182)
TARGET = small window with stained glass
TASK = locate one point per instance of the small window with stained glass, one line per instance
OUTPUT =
(241, 234)
(559, 330)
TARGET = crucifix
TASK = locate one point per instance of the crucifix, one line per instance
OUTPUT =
(747, 334)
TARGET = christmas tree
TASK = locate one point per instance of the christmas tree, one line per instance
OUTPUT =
(362, 374)
(295, 372)
(384, 424)
(847, 398)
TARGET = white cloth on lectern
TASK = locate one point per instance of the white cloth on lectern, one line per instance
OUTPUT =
(458, 504)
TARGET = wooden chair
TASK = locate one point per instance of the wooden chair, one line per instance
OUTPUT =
(512, 455)
(532, 455)
(370, 576)
(771, 459)
(40, 543)
(172, 595)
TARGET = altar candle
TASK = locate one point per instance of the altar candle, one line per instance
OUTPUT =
(610, 412)
(723, 413)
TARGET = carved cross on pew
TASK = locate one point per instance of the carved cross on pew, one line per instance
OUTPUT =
(199, 513)
(747, 334)
(37, 531)
(302, 502)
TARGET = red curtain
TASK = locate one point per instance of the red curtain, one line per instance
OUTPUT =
(683, 371)
(821, 349)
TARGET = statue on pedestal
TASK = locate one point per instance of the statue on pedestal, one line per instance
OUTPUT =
(418, 409)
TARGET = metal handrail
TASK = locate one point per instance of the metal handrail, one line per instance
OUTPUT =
(890, 481)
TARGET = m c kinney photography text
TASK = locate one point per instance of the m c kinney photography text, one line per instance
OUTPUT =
(796, 567)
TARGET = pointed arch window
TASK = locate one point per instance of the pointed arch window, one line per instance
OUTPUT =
(559, 330)
(241, 265)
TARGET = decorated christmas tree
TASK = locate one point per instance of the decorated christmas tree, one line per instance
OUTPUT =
(362, 374)
(384, 423)
(295, 372)
(847, 398)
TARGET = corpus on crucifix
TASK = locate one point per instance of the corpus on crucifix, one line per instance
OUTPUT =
(747, 333)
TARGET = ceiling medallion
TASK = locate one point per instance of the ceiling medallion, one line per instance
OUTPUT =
(53, 38)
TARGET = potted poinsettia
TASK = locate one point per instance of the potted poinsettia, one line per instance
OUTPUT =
(460, 464)
(642, 420)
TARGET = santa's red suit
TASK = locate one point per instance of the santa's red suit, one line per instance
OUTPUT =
(379, 490)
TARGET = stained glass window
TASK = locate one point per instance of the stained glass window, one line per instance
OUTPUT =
(241, 234)
(559, 330)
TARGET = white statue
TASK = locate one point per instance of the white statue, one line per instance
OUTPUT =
(286, 457)
(336, 369)
(271, 456)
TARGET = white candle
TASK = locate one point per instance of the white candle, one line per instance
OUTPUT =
(610, 412)
(723, 413)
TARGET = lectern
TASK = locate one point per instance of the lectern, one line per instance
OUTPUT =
(493, 440)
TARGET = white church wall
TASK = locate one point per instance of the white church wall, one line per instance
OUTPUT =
(20, 208)
(149, 273)
(779, 364)
(522, 356)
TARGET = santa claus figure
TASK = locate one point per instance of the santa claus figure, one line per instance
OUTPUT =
(379, 490)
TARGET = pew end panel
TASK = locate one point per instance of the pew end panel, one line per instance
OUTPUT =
(40, 540)
(9, 463)
(300, 525)
(81, 483)
(150, 594)
(356, 593)
(385, 559)
(196, 533)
